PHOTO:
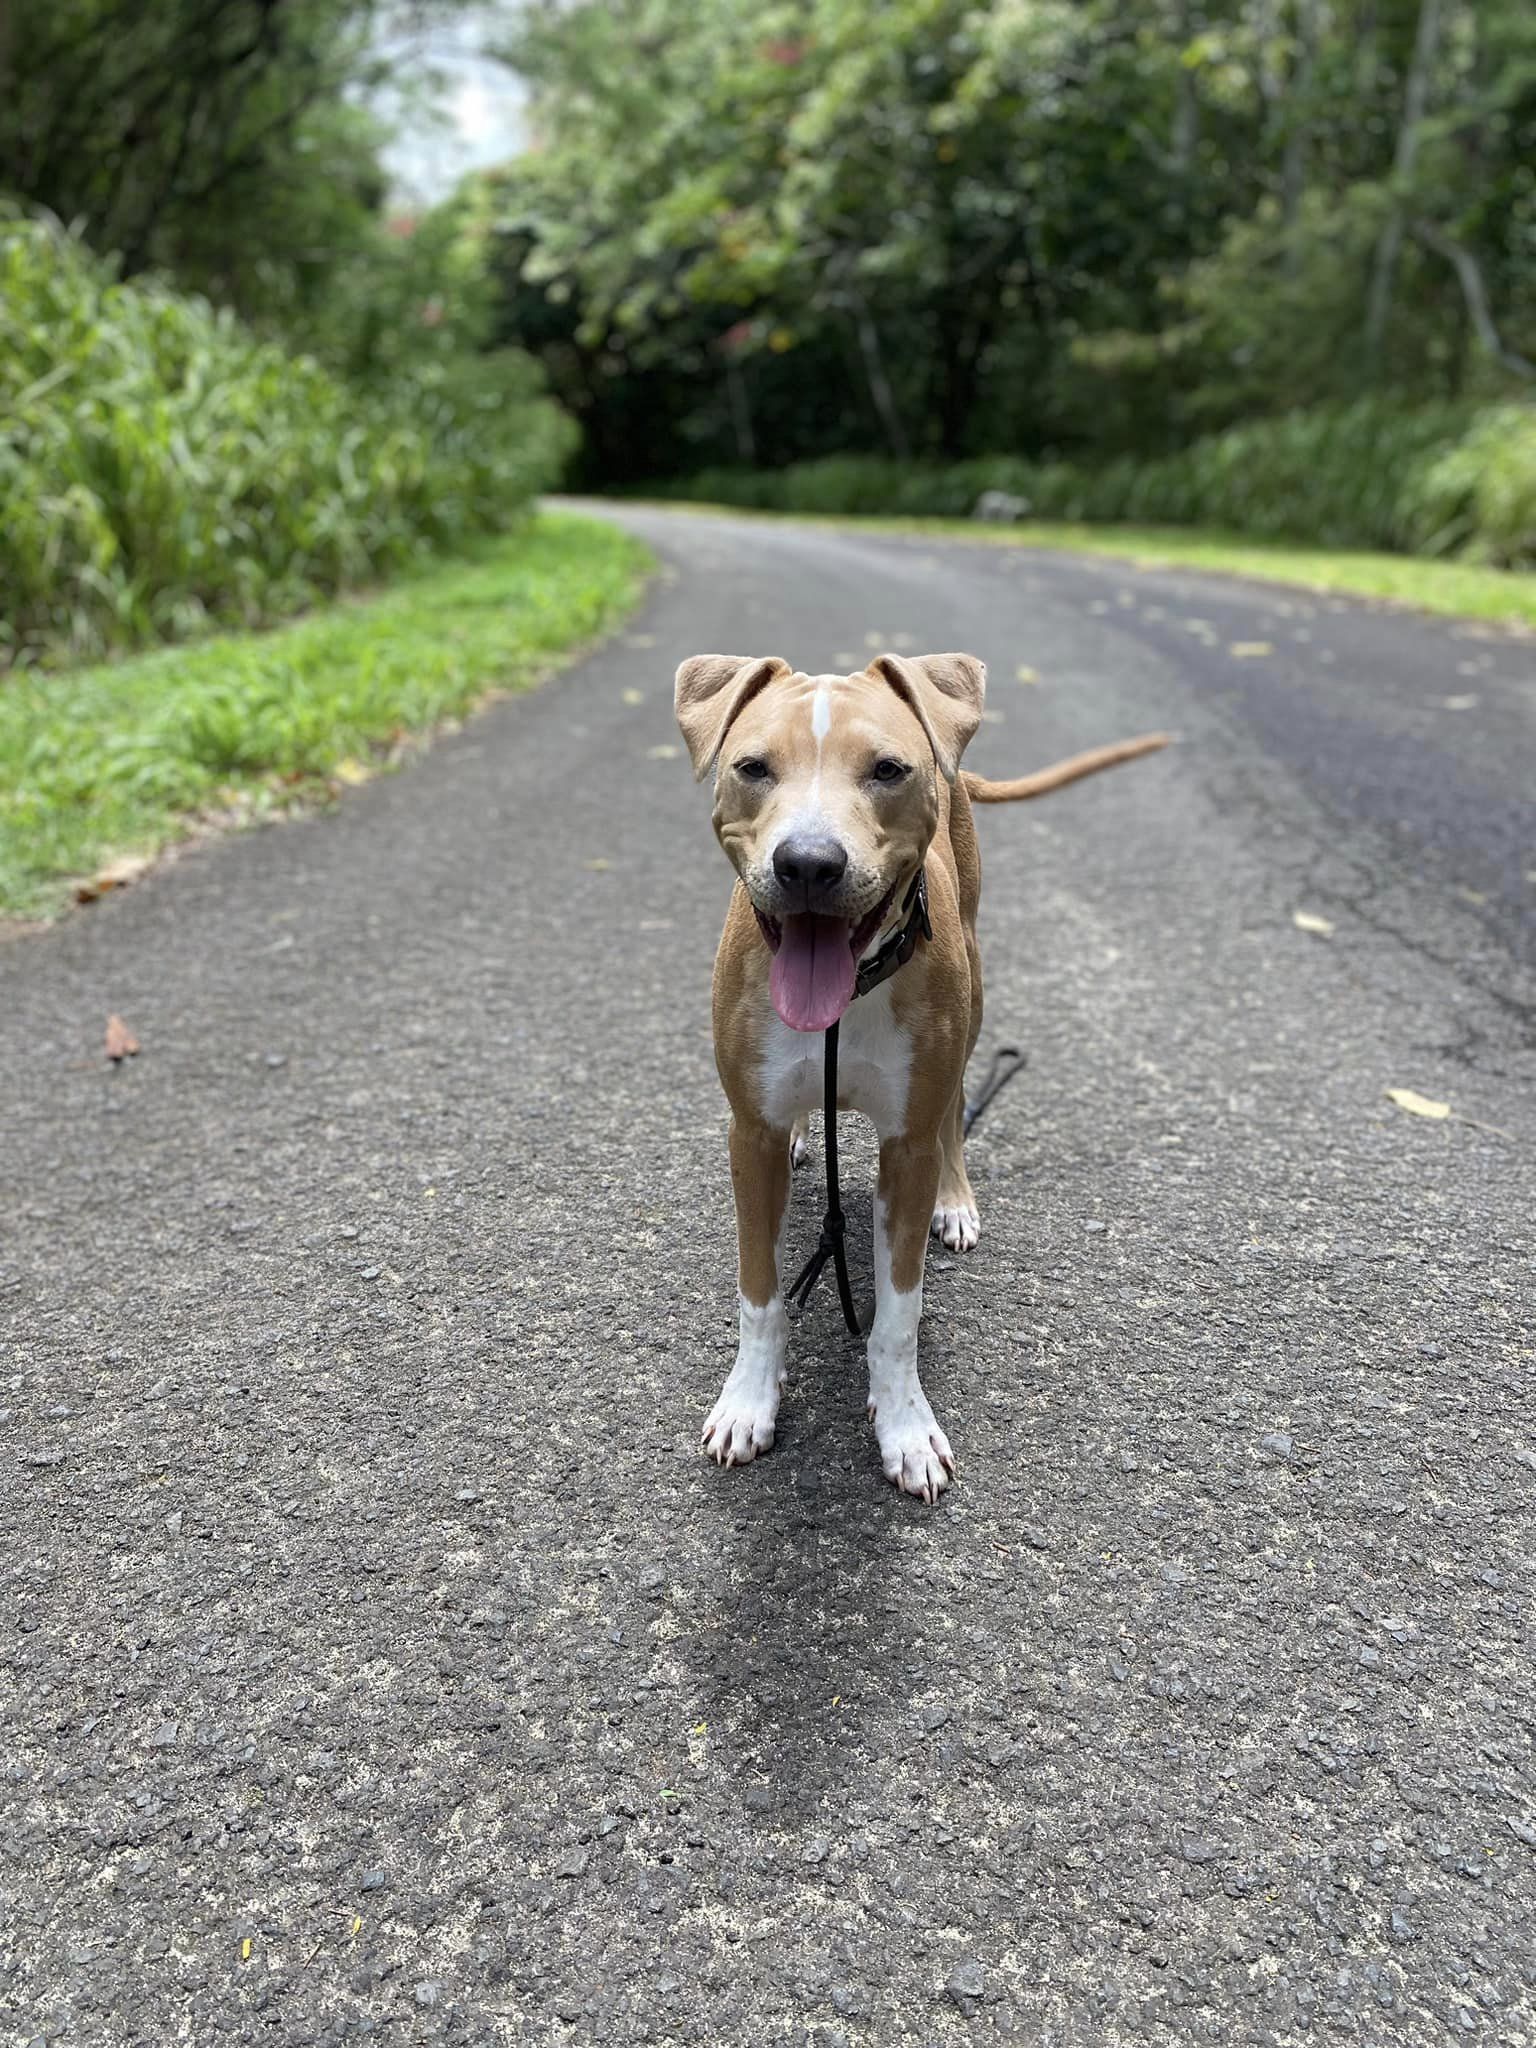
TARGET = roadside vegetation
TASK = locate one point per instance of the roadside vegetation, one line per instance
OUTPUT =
(124, 758)
(162, 468)
(1435, 480)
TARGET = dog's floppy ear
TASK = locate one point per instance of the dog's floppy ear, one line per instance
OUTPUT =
(711, 692)
(946, 692)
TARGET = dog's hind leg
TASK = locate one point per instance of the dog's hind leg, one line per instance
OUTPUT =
(800, 1141)
(741, 1423)
(956, 1220)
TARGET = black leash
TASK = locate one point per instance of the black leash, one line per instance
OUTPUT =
(830, 1245)
(1006, 1062)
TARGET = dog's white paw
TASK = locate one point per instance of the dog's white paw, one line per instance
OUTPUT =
(799, 1143)
(741, 1423)
(958, 1228)
(914, 1451)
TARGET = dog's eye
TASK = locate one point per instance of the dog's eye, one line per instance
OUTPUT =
(753, 769)
(890, 771)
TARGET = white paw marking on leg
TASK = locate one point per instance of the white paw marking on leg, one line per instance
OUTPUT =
(799, 1142)
(741, 1423)
(914, 1451)
(958, 1227)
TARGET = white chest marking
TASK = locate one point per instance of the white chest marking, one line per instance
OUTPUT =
(874, 1065)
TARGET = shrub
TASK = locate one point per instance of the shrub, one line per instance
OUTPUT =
(1479, 497)
(161, 468)
(1431, 479)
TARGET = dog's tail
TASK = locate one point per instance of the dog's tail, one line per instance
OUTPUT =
(1044, 780)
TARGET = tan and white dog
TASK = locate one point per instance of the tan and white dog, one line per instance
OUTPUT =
(832, 794)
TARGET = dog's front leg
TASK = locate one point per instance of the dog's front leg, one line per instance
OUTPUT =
(913, 1449)
(741, 1422)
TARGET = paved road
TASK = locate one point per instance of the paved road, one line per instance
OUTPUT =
(382, 1659)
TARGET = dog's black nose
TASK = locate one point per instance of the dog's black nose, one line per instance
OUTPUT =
(811, 864)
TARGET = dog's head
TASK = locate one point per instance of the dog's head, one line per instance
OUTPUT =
(826, 797)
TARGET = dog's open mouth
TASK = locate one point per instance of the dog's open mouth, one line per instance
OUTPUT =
(816, 963)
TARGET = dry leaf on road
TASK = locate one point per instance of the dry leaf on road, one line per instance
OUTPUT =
(634, 696)
(1250, 650)
(117, 874)
(121, 1043)
(350, 772)
(1309, 921)
(1419, 1105)
(662, 753)
(1026, 674)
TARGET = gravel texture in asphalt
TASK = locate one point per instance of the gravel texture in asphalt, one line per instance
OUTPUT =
(382, 1658)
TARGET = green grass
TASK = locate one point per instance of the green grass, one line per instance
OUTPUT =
(1453, 589)
(125, 758)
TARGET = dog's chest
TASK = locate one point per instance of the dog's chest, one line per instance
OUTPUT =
(874, 1062)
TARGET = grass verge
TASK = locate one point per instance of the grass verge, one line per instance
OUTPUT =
(124, 759)
(1453, 589)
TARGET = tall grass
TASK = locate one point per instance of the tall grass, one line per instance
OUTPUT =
(1432, 479)
(161, 468)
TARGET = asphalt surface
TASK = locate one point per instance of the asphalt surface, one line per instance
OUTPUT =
(383, 1660)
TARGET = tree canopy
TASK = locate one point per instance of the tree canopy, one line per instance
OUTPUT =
(933, 228)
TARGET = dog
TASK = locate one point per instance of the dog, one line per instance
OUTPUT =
(840, 800)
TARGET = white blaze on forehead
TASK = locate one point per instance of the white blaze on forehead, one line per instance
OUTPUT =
(821, 714)
(821, 725)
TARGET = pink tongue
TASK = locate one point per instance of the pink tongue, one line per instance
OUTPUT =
(813, 972)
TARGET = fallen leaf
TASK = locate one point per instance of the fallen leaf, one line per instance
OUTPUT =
(1309, 921)
(1460, 703)
(357, 1923)
(117, 874)
(994, 718)
(350, 772)
(121, 1043)
(1419, 1105)
(245, 1950)
(665, 752)
(599, 866)
(1250, 650)
(634, 696)
(1026, 674)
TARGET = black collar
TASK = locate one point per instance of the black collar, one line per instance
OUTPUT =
(901, 945)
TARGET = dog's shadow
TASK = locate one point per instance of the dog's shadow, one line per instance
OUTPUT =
(806, 1643)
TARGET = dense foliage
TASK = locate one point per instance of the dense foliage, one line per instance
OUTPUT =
(1065, 230)
(161, 466)
(234, 379)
